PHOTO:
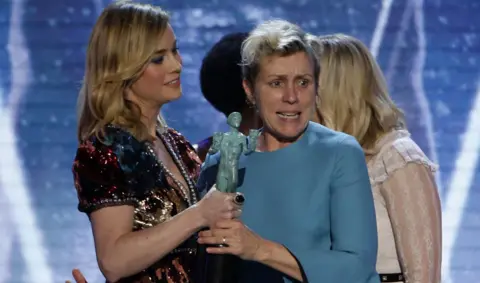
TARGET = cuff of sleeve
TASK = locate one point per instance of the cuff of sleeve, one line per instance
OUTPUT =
(89, 207)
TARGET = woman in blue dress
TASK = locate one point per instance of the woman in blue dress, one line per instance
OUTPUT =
(302, 220)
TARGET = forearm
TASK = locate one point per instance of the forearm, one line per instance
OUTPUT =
(414, 210)
(278, 257)
(138, 250)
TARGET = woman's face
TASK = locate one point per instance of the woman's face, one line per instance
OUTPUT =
(160, 82)
(284, 94)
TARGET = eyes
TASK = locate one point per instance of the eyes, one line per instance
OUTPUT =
(302, 82)
(159, 59)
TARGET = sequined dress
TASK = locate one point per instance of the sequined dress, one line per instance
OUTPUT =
(125, 171)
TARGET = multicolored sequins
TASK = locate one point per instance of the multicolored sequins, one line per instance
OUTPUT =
(120, 170)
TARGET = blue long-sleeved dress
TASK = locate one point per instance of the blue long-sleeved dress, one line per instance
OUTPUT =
(313, 197)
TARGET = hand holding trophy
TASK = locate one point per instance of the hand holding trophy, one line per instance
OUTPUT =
(231, 145)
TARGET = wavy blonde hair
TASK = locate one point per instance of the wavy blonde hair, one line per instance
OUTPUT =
(353, 95)
(123, 41)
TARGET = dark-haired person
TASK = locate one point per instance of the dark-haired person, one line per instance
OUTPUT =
(221, 84)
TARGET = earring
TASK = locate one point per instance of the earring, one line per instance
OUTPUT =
(250, 104)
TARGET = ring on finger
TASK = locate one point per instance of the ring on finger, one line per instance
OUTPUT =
(239, 199)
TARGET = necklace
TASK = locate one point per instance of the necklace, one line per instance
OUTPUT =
(170, 145)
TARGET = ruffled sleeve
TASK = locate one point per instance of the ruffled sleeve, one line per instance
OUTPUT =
(109, 172)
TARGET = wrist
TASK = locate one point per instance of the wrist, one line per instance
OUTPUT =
(198, 219)
(264, 251)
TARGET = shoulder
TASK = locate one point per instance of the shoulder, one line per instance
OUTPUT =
(203, 146)
(114, 138)
(399, 151)
(116, 151)
(328, 139)
(113, 170)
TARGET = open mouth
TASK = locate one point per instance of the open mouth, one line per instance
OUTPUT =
(288, 115)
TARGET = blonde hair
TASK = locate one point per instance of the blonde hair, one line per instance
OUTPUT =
(275, 37)
(123, 41)
(353, 95)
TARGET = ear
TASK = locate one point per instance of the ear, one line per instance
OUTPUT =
(128, 92)
(248, 91)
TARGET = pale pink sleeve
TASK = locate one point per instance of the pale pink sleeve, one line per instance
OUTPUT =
(414, 209)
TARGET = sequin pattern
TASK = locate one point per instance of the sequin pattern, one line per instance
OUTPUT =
(122, 171)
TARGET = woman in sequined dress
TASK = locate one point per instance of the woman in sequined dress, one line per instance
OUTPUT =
(135, 176)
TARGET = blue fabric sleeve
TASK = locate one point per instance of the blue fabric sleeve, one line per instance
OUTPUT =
(353, 253)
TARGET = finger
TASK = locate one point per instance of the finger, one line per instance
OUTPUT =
(237, 213)
(229, 196)
(229, 204)
(206, 233)
(220, 233)
(228, 215)
(78, 276)
(232, 214)
(207, 240)
(228, 224)
(239, 199)
(212, 241)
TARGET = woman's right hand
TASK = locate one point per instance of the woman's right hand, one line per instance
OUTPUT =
(215, 206)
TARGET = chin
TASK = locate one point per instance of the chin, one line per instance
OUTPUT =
(172, 95)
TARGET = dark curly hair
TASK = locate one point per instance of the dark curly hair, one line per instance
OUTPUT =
(221, 74)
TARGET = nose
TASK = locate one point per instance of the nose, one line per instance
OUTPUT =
(290, 95)
(175, 63)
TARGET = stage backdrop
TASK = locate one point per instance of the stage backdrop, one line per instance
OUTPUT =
(429, 51)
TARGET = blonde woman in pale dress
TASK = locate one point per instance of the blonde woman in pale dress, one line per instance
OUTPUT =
(353, 98)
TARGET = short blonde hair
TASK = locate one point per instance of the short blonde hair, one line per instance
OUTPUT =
(123, 41)
(353, 94)
(275, 37)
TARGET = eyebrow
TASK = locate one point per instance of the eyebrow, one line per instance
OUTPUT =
(162, 51)
(286, 76)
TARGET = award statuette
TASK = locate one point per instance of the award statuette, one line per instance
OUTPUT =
(231, 145)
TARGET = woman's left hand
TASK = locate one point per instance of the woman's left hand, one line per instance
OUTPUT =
(238, 239)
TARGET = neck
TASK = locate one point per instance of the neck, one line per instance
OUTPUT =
(149, 118)
(268, 142)
(250, 120)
